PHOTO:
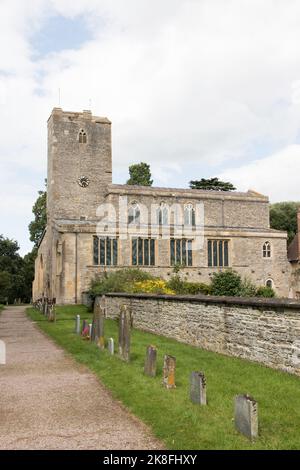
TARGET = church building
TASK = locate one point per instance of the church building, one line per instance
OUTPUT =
(94, 226)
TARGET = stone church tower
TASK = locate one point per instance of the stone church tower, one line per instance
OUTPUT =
(79, 171)
(79, 164)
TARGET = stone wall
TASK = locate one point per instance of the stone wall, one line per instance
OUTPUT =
(265, 331)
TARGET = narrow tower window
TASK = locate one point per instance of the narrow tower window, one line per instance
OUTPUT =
(82, 137)
(267, 250)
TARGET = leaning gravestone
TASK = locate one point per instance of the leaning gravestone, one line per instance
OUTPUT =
(103, 304)
(150, 362)
(98, 324)
(198, 388)
(111, 346)
(245, 416)
(169, 371)
(124, 333)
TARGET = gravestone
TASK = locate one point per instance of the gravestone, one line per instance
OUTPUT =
(77, 325)
(245, 416)
(169, 371)
(198, 388)
(98, 324)
(124, 333)
(103, 305)
(150, 362)
(51, 311)
(111, 346)
(85, 329)
(90, 330)
(83, 325)
(2, 352)
(45, 306)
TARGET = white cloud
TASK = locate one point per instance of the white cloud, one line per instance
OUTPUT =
(276, 175)
(191, 86)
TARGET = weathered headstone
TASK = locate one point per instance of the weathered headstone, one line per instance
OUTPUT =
(84, 323)
(150, 362)
(77, 325)
(245, 416)
(45, 307)
(124, 333)
(103, 304)
(169, 371)
(111, 346)
(198, 388)
(98, 324)
(51, 312)
(90, 330)
(2, 352)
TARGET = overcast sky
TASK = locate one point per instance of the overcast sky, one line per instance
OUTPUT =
(196, 88)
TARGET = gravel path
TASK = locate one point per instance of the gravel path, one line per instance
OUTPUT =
(48, 401)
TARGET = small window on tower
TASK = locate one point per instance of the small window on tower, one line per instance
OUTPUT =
(82, 137)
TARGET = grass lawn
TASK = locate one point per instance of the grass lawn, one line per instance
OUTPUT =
(172, 417)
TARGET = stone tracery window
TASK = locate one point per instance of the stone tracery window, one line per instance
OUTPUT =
(134, 213)
(105, 251)
(143, 252)
(181, 252)
(163, 214)
(82, 137)
(267, 250)
(218, 253)
(189, 214)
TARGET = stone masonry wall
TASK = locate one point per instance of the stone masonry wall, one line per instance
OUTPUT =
(265, 331)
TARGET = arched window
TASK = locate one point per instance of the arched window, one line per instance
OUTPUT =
(269, 283)
(82, 137)
(189, 214)
(163, 214)
(134, 213)
(267, 250)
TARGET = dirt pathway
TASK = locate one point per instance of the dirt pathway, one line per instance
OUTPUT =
(48, 401)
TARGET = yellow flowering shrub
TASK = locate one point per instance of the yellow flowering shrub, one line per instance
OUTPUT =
(156, 286)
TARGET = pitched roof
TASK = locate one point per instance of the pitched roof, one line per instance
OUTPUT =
(184, 192)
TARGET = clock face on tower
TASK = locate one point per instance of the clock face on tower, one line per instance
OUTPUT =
(83, 181)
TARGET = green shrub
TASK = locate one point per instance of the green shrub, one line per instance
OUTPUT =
(226, 283)
(119, 281)
(183, 287)
(248, 289)
(265, 291)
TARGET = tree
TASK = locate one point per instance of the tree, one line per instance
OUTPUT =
(11, 264)
(140, 174)
(10, 260)
(16, 273)
(38, 225)
(212, 184)
(283, 216)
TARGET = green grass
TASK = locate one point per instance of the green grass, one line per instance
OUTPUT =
(1, 307)
(172, 417)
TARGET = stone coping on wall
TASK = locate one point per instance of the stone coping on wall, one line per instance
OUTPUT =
(209, 299)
